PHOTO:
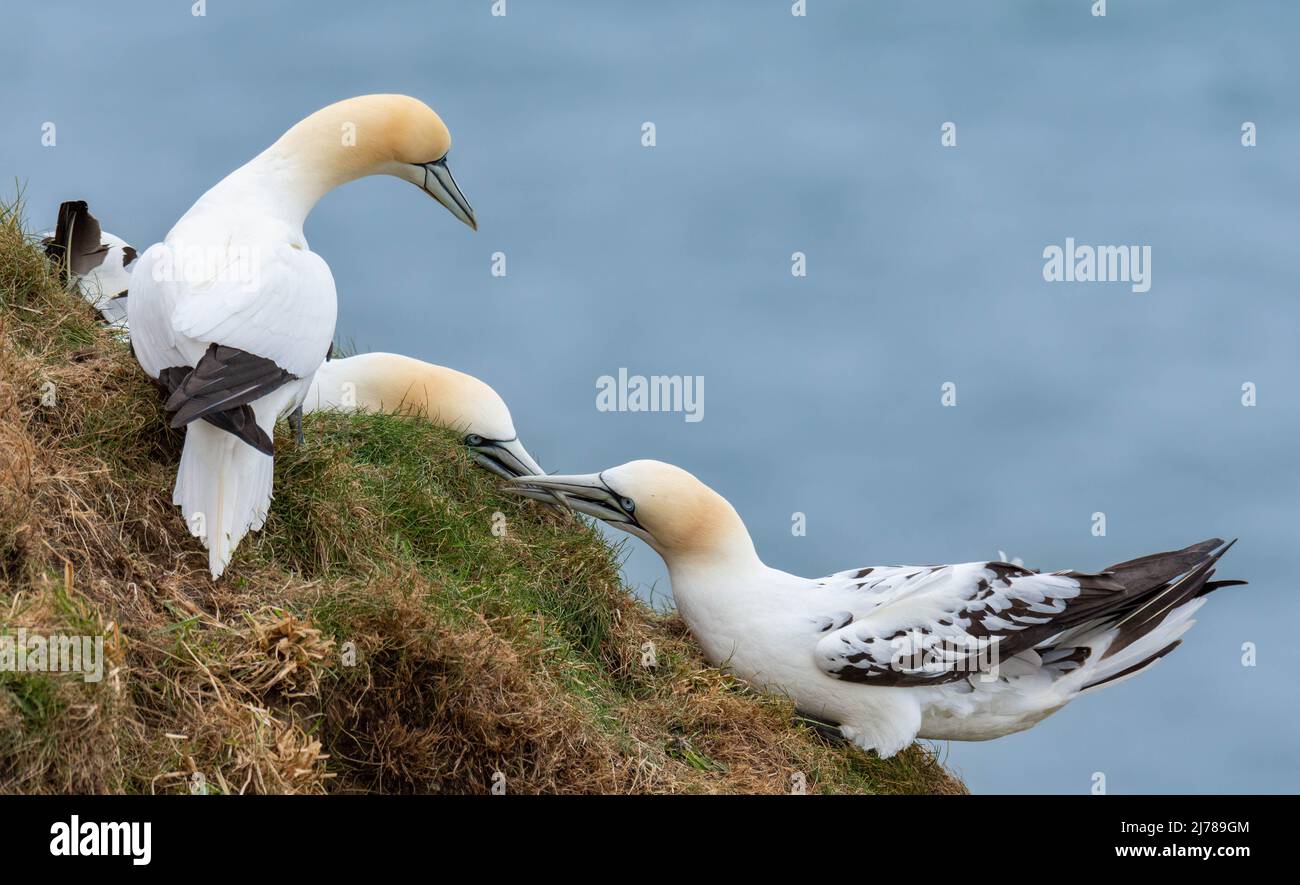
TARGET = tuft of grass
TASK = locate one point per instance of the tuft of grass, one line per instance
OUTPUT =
(399, 625)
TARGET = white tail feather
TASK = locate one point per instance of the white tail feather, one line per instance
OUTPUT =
(223, 488)
(1175, 624)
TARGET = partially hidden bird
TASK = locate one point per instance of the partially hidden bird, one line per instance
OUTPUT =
(98, 263)
(949, 652)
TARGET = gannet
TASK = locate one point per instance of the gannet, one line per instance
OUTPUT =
(949, 652)
(390, 382)
(232, 313)
(98, 262)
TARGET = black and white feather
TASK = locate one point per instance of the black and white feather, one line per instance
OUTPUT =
(915, 626)
(97, 262)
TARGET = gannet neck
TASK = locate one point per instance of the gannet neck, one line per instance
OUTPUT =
(710, 535)
(350, 139)
(279, 185)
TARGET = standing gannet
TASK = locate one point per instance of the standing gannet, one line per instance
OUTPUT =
(98, 262)
(390, 382)
(949, 652)
(232, 313)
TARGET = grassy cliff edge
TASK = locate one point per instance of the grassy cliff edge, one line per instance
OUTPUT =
(381, 634)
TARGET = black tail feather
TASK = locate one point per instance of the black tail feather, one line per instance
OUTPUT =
(1149, 605)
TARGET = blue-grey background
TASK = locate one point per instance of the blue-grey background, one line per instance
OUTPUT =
(818, 134)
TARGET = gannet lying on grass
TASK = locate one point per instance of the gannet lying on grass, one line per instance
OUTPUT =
(954, 652)
(390, 382)
(233, 314)
(98, 262)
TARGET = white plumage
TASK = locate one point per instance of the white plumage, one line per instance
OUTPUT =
(957, 652)
(223, 486)
(233, 314)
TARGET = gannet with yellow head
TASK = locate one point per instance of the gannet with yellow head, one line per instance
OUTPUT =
(233, 314)
(953, 652)
(390, 382)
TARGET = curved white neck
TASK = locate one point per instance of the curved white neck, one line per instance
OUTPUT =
(275, 183)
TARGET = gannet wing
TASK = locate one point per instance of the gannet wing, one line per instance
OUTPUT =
(222, 342)
(279, 305)
(153, 294)
(99, 262)
(225, 378)
(220, 390)
(929, 625)
(239, 421)
(76, 244)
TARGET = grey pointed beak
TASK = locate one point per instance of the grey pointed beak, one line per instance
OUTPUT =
(506, 458)
(439, 184)
(509, 459)
(586, 493)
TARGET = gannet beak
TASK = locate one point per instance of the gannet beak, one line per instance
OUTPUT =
(584, 493)
(506, 458)
(439, 184)
(509, 459)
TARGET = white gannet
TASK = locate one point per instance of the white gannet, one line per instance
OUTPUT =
(232, 313)
(390, 382)
(953, 652)
(98, 262)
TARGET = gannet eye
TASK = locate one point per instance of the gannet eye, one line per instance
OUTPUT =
(627, 504)
(473, 440)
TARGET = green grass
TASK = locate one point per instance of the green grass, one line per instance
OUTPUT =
(381, 634)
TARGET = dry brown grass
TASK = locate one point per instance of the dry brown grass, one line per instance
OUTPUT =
(374, 637)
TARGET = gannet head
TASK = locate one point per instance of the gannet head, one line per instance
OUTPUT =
(378, 135)
(391, 382)
(665, 506)
(473, 407)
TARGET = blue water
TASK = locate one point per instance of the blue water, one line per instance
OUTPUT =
(821, 134)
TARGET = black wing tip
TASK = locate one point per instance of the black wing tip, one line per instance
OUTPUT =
(241, 423)
(1153, 605)
(1214, 554)
(224, 379)
(56, 245)
(77, 239)
(1157, 568)
(205, 392)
